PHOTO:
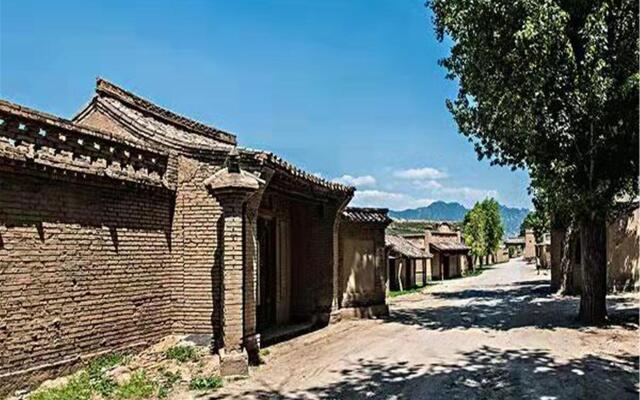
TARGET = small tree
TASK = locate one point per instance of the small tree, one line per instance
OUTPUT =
(474, 232)
(493, 229)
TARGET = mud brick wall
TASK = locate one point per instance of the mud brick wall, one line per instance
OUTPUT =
(362, 264)
(198, 225)
(83, 269)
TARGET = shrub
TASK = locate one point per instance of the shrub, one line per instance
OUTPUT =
(168, 380)
(138, 386)
(77, 388)
(205, 383)
(182, 353)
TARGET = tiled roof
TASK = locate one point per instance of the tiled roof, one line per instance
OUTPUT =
(145, 106)
(270, 159)
(449, 246)
(368, 215)
(518, 240)
(405, 247)
(157, 130)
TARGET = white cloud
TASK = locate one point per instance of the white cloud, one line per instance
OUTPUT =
(466, 195)
(358, 181)
(430, 184)
(426, 173)
(317, 175)
(392, 200)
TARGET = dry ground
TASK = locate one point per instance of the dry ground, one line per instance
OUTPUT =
(497, 335)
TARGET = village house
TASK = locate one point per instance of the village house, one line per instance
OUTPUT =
(514, 246)
(131, 222)
(403, 257)
(529, 252)
(423, 270)
(451, 257)
(543, 252)
(362, 269)
(623, 253)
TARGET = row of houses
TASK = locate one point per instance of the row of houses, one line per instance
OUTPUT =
(622, 252)
(436, 254)
(130, 222)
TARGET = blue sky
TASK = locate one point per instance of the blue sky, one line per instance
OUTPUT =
(350, 90)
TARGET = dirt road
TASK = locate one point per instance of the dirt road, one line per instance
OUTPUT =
(500, 335)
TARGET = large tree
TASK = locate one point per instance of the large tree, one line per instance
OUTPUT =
(552, 86)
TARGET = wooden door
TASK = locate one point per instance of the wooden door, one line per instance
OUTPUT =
(266, 308)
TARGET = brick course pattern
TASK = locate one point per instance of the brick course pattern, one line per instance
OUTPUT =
(111, 239)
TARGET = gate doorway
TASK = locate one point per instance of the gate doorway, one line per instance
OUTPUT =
(267, 274)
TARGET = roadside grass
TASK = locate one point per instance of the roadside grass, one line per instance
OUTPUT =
(94, 383)
(182, 353)
(138, 386)
(205, 383)
(396, 293)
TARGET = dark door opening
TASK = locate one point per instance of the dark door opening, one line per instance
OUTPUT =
(393, 274)
(445, 266)
(266, 308)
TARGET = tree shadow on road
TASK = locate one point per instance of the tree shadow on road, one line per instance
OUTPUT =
(516, 305)
(485, 373)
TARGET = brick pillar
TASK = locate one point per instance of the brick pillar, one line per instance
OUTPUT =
(251, 337)
(233, 357)
(232, 187)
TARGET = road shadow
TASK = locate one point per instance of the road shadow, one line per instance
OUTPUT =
(504, 307)
(485, 373)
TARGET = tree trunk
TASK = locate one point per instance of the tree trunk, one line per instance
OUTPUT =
(593, 306)
(566, 263)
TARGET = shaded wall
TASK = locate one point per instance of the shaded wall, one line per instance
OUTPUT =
(362, 264)
(84, 269)
(311, 260)
(623, 260)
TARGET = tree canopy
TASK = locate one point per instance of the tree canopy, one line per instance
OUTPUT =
(552, 86)
(482, 228)
(549, 85)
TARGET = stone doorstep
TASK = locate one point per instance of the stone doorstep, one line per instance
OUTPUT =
(234, 363)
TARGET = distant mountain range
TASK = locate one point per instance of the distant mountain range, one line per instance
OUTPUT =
(441, 211)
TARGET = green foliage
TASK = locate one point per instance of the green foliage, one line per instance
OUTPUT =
(205, 383)
(396, 293)
(168, 380)
(549, 85)
(538, 221)
(482, 228)
(182, 353)
(474, 231)
(138, 386)
(493, 228)
(84, 385)
(96, 370)
(77, 388)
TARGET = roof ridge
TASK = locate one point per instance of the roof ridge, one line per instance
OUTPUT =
(110, 89)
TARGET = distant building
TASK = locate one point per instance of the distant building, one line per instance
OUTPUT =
(451, 257)
(514, 246)
(362, 267)
(401, 262)
(529, 245)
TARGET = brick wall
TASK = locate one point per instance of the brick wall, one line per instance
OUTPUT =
(197, 224)
(83, 269)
